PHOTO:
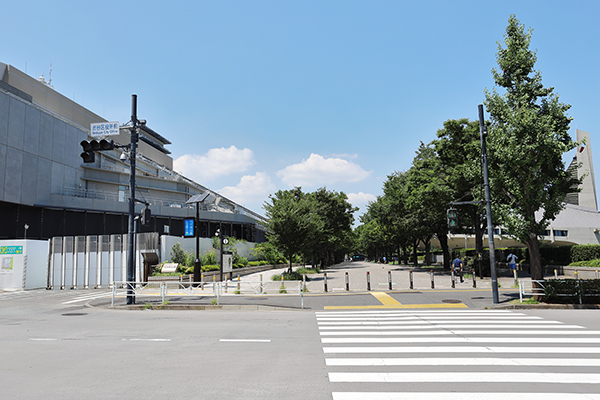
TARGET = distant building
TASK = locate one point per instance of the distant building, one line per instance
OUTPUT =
(46, 187)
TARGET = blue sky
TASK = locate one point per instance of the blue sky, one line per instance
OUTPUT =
(258, 96)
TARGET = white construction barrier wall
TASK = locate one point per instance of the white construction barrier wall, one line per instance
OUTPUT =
(23, 264)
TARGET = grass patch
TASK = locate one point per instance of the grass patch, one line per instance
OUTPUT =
(529, 300)
(294, 276)
(304, 270)
(147, 306)
(213, 302)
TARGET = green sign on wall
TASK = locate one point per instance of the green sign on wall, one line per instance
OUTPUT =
(11, 249)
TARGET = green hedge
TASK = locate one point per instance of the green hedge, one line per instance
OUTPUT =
(589, 263)
(572, 291)
(585, 252)
(257, 263)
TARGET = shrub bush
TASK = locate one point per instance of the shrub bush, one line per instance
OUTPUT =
(590, 263)
(585, 252)
(572, 291)
(207, 268)
(209, 258)
(257, 263)
(294, 276)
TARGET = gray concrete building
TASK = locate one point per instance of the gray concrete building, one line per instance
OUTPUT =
(46, 189)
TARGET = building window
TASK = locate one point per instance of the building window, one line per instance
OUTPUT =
(561, 233)
(546, 233)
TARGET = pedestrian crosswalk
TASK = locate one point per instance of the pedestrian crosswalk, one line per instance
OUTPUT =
(65, 297)
(457, 354)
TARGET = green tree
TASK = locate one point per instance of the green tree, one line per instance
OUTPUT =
(337, 216)
(529, 135)
(291, 226)
(459, 149)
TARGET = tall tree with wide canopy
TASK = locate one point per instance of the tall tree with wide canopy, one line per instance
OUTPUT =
(529, 135)
(459, 149)
(291, 225)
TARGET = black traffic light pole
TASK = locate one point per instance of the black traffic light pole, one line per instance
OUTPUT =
(130, 253)
(488, 205)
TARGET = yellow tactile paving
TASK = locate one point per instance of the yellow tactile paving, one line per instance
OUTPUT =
(388, 301)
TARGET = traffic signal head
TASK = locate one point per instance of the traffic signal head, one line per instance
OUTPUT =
(452, 218)
(106, 144)
(88, 153)
(89, 147)
(146, 216)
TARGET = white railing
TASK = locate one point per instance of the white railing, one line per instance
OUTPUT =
(166, 289)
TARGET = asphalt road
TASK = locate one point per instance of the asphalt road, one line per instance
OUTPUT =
(69, 345)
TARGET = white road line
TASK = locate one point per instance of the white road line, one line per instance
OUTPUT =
(246, 340)
(456, 326)
(513, 362)
(460, 332)
(419, 312)
(88, 297)
(461, 396)
(146, 340)
(459, 339)
(370, 325)
(462, 349)
(471, 377)
(42, 339)
(383, 323)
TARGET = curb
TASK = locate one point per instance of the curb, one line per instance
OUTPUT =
(207, 307)
(545, 306)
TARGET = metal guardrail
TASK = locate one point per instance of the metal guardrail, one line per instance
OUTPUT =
(217, 289)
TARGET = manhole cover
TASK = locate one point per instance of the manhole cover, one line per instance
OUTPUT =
(74, 314)
(451, 301)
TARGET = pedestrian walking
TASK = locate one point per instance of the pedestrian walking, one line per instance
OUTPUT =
(457, 265)
(512, 261)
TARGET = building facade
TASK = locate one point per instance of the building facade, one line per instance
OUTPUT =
(46, 190)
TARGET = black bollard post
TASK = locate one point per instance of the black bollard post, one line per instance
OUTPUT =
(347, 283)
(390, 279)
(410, 276)
(368, 281)
(432, 283)
(325, 280)
(474, 279)
(453, 278)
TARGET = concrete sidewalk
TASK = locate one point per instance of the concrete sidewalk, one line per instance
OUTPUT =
(379, 276)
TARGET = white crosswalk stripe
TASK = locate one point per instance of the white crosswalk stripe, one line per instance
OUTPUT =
(462, 354)
(66, 297)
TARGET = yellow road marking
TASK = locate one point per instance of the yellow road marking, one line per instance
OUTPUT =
(388, 301)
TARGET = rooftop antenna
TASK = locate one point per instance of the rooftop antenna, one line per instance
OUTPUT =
(50, 76)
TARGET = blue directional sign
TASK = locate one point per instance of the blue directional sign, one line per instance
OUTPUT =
(188, 227)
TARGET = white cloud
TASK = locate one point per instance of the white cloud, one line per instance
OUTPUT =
(317, 171)
(215, 163)
(360, 199)
(251, 189)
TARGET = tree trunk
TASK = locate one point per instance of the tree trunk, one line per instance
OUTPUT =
(415, 259)
(427, 251)
(443, 238)
(535, 264)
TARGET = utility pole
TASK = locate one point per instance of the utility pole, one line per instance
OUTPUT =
(488, 205)
(130, 242)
